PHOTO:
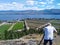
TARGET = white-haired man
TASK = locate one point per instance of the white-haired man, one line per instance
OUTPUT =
(49, 34)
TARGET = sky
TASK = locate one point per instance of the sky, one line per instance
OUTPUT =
(29, 4)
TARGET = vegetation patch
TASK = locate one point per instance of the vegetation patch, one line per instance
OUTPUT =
(2, 30)
(56, 24)
(13, 34)
(18, 25)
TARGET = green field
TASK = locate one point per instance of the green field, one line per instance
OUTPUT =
(5, 34)
(56, 24)
(18, 26)
(2, 30)
(13, 33)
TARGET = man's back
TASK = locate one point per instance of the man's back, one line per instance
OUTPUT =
(48, 32)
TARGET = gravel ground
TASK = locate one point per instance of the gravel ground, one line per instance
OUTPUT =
(57, 40)
(32, 42)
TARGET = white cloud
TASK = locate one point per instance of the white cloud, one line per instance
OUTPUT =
(50, 7)
(43, 3)
(11, 6)
(34, 8)
(31, 2)
(1, 7)
(50, 1)
(17, 6)
(33, 5)
(58, 4)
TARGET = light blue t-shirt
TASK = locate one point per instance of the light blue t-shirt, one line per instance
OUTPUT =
(48, 32)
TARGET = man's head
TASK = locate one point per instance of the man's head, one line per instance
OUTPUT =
(48, 24)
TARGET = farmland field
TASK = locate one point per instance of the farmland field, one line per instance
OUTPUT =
(5, 34)
(18, 26)
(2, 30)
(11, 34)
(36, 23)
(56, 24)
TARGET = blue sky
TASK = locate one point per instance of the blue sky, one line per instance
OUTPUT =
(29, 4)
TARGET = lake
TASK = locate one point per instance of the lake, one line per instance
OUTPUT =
(15, 17)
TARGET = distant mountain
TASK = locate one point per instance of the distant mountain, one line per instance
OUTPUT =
(32, 12)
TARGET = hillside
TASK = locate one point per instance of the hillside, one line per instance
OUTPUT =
(32, 12)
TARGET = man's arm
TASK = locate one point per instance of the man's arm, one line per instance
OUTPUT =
(55, 31)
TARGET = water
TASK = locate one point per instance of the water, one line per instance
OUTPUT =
(15, 17)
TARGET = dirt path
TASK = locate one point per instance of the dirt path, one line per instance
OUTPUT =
(11, 26)
(2, 23)
(57, 40)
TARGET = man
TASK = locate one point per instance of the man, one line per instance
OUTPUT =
(48, 34)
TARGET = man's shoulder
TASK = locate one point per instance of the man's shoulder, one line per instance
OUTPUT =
(51, 26)
(45, 28)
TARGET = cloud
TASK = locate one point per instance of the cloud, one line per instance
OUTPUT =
(50, 1)
(27, 5)
(50, 7)
(43, 3)
(17, 6)
(33, 8)
(58, 4)
(31, 2)
(11, 6)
